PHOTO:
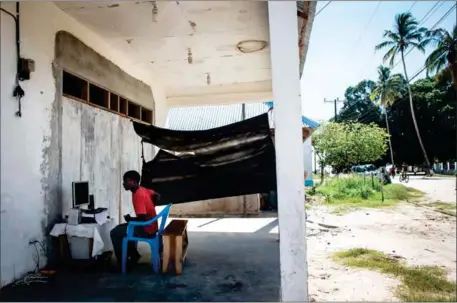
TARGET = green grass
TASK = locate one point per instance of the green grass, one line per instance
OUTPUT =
(447, 208)
(418, 284)
(347, 193)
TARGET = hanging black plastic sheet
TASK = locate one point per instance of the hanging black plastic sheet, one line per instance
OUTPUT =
(237, 159)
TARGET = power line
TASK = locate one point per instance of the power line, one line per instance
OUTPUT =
(369, 21)
(399, 99)
(409, 10)
(430, 13)
(422, 20)
(374, 12)
(335, 101)
(414, 3)
(444, 17)
(326, 4)
(361, 35)
(432, 28)
(365, 28)
(355, 44)
(422, 69)
(359, 119)
(434, 11)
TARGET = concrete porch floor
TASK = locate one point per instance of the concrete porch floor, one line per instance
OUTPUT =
(229, 259)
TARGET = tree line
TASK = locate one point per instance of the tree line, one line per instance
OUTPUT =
(420, 116)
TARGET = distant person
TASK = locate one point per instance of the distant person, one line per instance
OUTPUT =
(429, 171)
(385, 177)
(404, 168)
(142, 199)
(392, 171)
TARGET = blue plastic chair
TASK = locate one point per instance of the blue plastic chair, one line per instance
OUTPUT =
(154, 243)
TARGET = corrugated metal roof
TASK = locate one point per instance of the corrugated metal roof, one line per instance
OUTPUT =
(207, 117)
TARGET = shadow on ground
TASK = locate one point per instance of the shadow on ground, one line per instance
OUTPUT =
(219, 267)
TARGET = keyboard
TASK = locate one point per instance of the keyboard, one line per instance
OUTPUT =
(94, 211)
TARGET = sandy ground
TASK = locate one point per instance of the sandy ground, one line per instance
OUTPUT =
(418, 234)
(237, 259)
(438, 188)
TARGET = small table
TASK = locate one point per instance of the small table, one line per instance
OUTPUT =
(175, 244)
(98, 236)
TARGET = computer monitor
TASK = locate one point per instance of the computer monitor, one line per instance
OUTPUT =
(80, 194)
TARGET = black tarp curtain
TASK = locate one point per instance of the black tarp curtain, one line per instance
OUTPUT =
(232, 160)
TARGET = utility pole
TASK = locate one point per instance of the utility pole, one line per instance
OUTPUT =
(243, 117)
(337, 100)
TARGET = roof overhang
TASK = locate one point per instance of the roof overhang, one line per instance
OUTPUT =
(305, 12)
(191, 48)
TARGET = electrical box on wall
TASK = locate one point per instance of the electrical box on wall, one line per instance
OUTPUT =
(25, 67)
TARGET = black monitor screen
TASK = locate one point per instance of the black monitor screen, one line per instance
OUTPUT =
(80, 193)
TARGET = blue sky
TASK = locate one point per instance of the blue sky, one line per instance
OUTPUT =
(341, 50)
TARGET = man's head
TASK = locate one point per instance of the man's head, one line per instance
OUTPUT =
(131, 180)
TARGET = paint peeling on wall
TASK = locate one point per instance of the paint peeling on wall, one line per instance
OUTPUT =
(50, 167)
(97, 146)
(91, 129)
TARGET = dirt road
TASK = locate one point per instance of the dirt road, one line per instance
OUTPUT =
(419, 235)
(437, 188)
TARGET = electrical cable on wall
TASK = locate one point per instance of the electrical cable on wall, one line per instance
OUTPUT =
(142, 152)
(18, 92)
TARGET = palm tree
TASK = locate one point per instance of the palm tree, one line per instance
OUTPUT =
(443, 59)
(406, 35)
(385, 93)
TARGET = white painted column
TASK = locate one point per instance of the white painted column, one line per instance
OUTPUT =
(289, 149)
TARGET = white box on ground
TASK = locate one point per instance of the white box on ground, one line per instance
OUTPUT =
(79, 248)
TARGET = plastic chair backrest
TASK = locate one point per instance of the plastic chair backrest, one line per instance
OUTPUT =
(164, 216)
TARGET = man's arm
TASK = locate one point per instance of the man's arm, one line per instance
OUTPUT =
(155, 196)
(139, 218)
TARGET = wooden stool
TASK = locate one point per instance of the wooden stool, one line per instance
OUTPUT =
(175, 244)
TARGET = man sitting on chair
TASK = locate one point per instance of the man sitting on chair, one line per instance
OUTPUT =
(144, 207)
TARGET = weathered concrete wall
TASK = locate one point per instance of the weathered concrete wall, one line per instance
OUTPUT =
(74, 55)
(99, 147)
(223, 206)
(31, 154)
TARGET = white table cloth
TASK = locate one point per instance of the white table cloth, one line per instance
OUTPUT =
(100, 234)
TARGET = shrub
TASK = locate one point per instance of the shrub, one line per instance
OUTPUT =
(360, 189)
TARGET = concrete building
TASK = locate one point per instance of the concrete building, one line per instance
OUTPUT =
(96, 65)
